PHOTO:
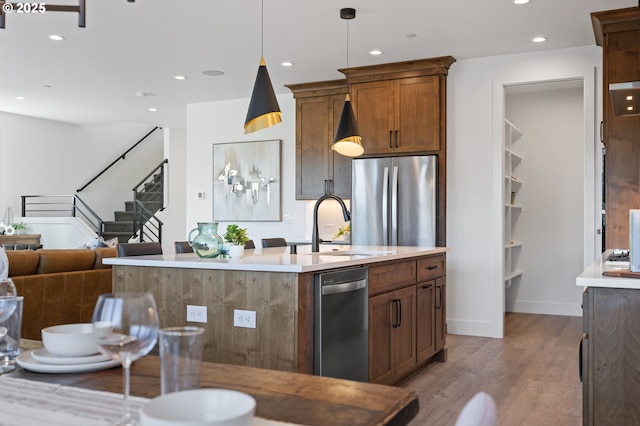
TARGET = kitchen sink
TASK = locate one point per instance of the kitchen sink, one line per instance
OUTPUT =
(353, 253)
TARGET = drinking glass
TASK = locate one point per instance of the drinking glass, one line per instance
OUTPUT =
(8, 295)
(126, 328)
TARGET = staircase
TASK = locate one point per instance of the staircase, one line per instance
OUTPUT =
(150, 195)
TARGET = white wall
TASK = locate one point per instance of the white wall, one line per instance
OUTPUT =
(43, 157)
(222, 122)
(475, 112)
(551, 223)
(173, 217)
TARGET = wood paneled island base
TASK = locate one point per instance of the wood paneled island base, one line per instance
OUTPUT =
(282, 396)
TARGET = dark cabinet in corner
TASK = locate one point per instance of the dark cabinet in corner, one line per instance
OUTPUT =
(618, 32)
(319, 169)
(611, 356)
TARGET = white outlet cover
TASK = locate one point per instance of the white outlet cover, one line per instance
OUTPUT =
(196, 313)
(245, 319)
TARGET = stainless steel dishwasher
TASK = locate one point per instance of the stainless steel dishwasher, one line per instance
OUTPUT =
(341, 324)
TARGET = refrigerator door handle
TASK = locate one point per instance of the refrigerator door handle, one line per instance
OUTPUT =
(385, 206)
(394, 207)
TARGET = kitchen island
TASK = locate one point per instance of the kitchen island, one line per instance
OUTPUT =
(278, 287)
(610, 348)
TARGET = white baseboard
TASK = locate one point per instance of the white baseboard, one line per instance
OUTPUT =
(472, 328)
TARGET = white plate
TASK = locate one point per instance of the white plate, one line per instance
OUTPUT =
(26, 361)
(45, 357)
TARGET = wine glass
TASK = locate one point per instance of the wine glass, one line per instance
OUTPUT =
(126, 328)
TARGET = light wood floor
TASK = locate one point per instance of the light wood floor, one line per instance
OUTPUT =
(532, 374)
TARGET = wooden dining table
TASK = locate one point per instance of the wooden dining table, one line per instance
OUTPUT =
(280, 396)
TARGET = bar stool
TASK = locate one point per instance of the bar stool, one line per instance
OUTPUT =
(274, 242)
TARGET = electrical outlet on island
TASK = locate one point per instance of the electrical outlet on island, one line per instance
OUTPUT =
(196, 313)
(246, 319)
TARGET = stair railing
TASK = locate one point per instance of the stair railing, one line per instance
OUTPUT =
(62, 205)
(121, 157)
(145, 223)
(149, 228)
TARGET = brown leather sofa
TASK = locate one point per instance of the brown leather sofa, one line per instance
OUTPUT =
(59, 286)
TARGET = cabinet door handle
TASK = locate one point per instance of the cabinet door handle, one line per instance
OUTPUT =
(396, 138)
(439, 304)
(428, 286)
(326, 187)
(399, 312)
(390, 138)
(432, 267)
(395, 306)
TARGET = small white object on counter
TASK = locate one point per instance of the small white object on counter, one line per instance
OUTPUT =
(634, 240)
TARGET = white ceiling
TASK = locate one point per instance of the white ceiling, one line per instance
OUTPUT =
(93, 76)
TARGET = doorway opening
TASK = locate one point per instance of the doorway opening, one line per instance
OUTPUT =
(549, 187)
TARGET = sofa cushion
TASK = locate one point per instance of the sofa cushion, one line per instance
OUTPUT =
(103, 253)
(22, 262)
(61, 260)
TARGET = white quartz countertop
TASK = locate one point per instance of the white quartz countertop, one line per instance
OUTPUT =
(592, 276)
(278, 259)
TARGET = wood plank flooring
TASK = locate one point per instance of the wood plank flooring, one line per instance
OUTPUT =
(532, 374)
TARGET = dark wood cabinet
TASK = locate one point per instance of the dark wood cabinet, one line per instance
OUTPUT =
(392, 336)
(425, 320)
(440, 309)
(401, 107)
(407, 317)
(398, 116)
(319, 169)
(618, 32)
(611, 356)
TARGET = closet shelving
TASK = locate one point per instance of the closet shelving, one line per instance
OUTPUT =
(512, 207)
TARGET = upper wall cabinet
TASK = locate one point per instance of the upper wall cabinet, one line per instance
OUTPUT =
(401, 107)
(319, 169)
(618, 32)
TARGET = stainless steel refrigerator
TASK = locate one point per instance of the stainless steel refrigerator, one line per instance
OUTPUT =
(393, 201)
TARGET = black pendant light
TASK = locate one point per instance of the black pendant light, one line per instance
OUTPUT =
(264, 110)
(348, 141)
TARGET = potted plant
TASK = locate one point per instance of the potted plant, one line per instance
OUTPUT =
(238, 238)
(20, 227)
(344, 232)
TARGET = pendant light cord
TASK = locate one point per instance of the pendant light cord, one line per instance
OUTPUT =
(262, 30)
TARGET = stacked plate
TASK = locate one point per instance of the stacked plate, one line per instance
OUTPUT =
(68, 348)
(41, 361)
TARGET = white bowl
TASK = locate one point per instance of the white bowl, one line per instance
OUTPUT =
(199, 407)
(70, 339)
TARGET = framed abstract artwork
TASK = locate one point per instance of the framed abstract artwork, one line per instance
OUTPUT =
(246, 181)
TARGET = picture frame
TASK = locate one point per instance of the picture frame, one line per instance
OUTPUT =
(247, 181)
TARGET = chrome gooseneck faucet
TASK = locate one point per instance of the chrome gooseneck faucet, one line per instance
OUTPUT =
(315, 239)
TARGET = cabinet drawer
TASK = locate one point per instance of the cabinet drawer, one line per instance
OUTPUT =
(431, 267)
(390, 277)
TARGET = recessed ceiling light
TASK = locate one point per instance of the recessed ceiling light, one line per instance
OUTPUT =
(539, 39)
(287, 64)
(411, 36)
(212, 73)
(20, 98)
(180, 77)
(520, 1)
(375, 52)
(55, 37)
(153, 109)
